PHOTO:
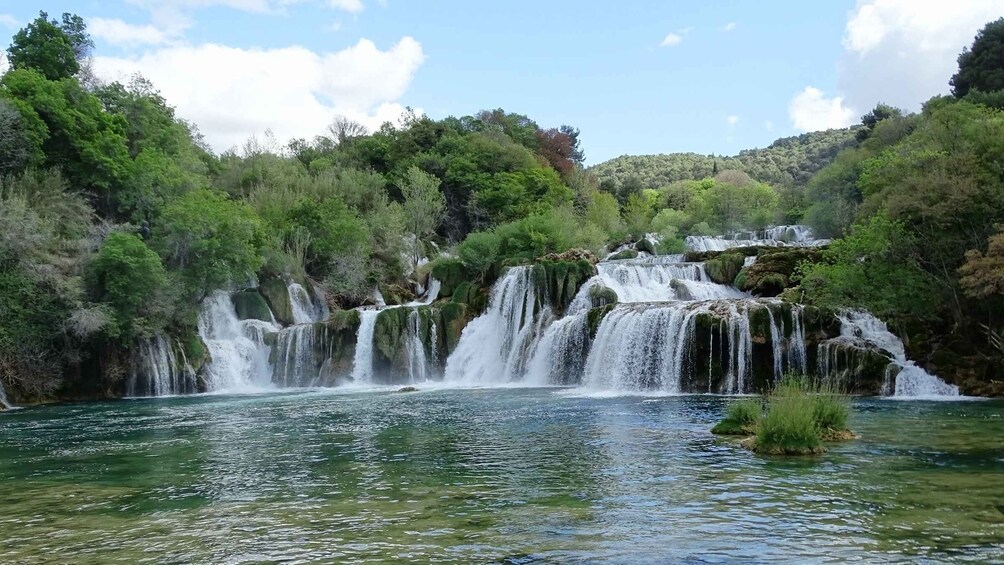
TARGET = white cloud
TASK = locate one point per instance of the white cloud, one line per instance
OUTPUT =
(902, 52)
(729, 27)
(732, 120)
(118, 32)
(10, 21)
(671, 40)
(811, 110)
(232, 93)
(350, 6)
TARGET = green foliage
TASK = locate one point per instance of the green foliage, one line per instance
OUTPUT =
(210, 239)
(981, 68)
(604, 213)
(788, 427)
(47, 47)
(741, 417)
(637, 215)
(70, 127)
(424, 205)
(129, 277)
(831, 409)
(787, 162)
(874, 267)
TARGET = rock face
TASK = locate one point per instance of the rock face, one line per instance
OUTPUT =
(724, 268)
(450, 273)
(626, 254)
(251, 305)
(276, 293)
(557, 282)
(645, 245)
(571, 256)
(772, 272)
(600, 296)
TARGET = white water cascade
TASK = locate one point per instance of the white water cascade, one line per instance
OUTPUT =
(862, 329)
(362, 363)
(493, 347)
(4, 403)
(778, 236)
(238, 355)
(156, 370)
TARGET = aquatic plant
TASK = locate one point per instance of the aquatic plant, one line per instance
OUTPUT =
(741, 417)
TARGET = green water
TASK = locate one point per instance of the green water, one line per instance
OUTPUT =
(475, 476)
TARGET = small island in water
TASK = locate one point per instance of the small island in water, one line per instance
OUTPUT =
(450, 339)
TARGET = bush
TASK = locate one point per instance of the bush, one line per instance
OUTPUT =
(788, 427)
(831, 409)
(129, 277)
(741, 417)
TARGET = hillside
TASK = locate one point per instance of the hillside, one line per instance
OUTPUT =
(789, 161)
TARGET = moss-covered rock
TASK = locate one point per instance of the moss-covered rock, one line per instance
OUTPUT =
(646, 246)
(558, 281)
(396, 295)
(625, 254)
(600, 296)
(595, 318)
(454, 316)
(724, 268)
(276, 294)
(571, 256)
(251, 305)
(698, 256)
(450, 273)
(772, 272)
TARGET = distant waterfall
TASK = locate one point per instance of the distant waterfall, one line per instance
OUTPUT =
(238, 355)
(294, 360)
(493, 347)
(362, 363)
(155, 370)
(863, 329)
(778, 236)
(304, 308)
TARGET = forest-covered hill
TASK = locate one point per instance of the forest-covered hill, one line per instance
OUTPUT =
(789, 161)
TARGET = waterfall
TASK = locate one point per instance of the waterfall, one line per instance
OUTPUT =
(238, 356)
(859, 327)
(798, 358)
(644, 281)
(740, 349)
(559, 357)
(4, 403)
(155, 370)
(304, 309)
(778, 236)
(294, 363)
(415, 348)
(362, 363)
(642, 348)
(776, 346)
(493, 346)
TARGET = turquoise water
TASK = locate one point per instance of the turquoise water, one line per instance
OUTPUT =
(476, 476)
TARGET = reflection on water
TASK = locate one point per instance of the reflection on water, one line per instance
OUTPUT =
(484, 475)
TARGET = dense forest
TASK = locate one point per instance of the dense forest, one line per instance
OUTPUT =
(118, 220)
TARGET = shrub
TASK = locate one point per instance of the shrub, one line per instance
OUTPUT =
(788, 427)
(741, 417)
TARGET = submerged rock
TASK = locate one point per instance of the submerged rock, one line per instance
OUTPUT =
(600, 296)
(407, 389)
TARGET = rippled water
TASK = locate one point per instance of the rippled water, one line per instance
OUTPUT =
(474, 476)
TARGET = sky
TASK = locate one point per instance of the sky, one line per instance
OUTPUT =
(636, 77)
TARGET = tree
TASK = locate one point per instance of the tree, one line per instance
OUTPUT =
(637, 215)
(52, 48)
(212, 240)
(129, 277)
(982, 66)
(344, 130)
(16, 150)
(424, 205)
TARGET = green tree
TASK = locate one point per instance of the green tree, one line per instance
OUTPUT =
(130, 278)
(982, 66)
(637, 215)
(210, 239)
(51, 48)
(875, 267)
(604, 213)
(424, 204)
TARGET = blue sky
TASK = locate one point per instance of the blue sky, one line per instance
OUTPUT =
(636, 77)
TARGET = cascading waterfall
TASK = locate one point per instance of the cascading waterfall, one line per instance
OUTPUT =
(493, 346)
(294, 361)
(862, 329)
(418, 367)
(640, 348)
(304, 309)
(798, 358)
(155, 370)
(4, 403)
(362, 363)
(778, 236)
(238, 355)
